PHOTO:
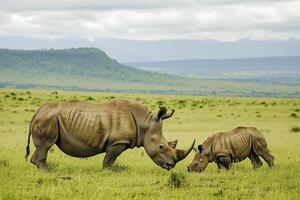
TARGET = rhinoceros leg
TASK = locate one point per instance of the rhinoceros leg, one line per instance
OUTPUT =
(40, 155)
(44, 135)
(220, 166)
(224, 162)
(268, 158)
(112, 153)
(256, 162)
(261, 149)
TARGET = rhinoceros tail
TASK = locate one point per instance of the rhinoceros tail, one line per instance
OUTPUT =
(29, 134)
(28, 144)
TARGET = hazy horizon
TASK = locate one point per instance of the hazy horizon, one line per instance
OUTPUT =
(127, 51)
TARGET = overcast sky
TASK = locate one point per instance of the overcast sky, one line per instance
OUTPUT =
(224, 20)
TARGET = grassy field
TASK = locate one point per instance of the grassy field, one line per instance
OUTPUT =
(135, 176)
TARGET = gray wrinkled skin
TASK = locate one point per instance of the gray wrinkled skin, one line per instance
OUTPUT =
(225, 148)
(82, 129)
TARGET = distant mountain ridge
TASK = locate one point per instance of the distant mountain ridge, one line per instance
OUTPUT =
(283, 63)
(158, 50)
(266, 70)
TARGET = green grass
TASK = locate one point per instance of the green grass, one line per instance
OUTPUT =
(135, 176)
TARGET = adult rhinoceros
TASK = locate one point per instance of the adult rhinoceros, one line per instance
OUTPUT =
(224, 148)
(82, 129)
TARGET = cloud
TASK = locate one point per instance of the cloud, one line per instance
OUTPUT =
(31, 5)
(152, 20)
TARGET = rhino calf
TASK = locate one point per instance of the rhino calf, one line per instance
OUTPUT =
(225, 148)
(82, 129)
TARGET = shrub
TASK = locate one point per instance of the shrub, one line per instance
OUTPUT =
(295, 129)
(181, 101)
(160, 102)
(176, 180)
(294, 115)
(90, 99)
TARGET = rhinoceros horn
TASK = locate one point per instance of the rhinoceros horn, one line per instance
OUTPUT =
(181, 154)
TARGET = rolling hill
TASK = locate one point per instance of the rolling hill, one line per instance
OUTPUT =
(82, 62)
(90, 69)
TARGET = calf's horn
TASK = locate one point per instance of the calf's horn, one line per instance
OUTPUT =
(181, 154)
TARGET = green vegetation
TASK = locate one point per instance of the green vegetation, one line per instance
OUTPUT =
(295, 129)
(135, 176)
(90, 69)
(294, 115)
(177, 180)
(90, 63)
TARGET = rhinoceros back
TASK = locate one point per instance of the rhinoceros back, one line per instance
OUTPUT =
(83, 133)
(235, 143)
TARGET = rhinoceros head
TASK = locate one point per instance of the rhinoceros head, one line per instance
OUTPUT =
(162, 152)
(199, 162)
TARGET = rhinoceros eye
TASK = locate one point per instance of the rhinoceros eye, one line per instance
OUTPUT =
(161, 148)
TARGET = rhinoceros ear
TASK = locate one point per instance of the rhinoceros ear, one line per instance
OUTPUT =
(200, 148)
(162, 111)
(162, 114)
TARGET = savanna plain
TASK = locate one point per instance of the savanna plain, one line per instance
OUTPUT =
(134, 175)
